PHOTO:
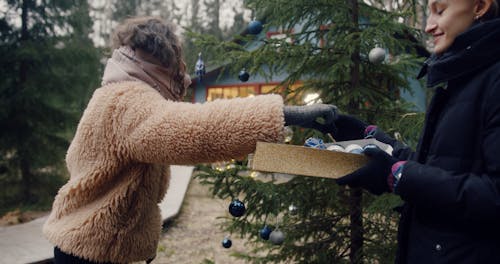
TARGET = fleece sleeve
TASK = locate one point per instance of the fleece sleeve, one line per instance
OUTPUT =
(161, 131)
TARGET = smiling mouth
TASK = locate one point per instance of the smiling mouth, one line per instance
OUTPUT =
(437, 37)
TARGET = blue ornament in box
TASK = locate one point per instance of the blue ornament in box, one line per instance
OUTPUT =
(315, 143)
(243, 75)
(265, 232)
(254, 27)
(237, 208)
(227, 243)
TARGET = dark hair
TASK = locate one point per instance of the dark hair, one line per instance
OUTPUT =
(153, 35)
(492, 13)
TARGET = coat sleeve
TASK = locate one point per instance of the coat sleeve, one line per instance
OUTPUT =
(161, 131)
(468, 197)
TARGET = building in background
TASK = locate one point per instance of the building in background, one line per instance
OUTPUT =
(218, 83)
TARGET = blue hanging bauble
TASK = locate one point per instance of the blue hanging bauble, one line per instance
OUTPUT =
(200, 67)
(243, 75)
(265, 232)
(236, 208)
(254, 27)
(227, 243)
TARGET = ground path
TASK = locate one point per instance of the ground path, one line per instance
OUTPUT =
(194, 235)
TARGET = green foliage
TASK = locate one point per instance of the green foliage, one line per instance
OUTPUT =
(318, 232)
(327, 51)
(209, 24)
(49, 69)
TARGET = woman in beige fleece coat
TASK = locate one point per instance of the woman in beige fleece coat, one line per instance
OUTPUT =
(134, 127)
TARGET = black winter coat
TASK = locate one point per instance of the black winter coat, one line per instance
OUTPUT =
(451, 185)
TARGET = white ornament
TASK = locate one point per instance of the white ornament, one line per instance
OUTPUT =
(354, 148)
(288, 134)
(335, 147)
(376, 55)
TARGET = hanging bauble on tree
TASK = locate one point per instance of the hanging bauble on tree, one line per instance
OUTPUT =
(243, 75)
(277, 237)
(293, 209)
(226, 242)
(200, 68)
(265, 232)
(376, 55)
(254, 27)
(237, 208)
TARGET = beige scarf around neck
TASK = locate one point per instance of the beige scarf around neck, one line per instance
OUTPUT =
(127, 65)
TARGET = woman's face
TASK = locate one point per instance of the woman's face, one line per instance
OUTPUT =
(447, 19)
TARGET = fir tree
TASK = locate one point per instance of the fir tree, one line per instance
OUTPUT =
(49, 66)
(329, 55)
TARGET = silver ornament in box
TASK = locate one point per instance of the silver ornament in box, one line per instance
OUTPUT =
(354, 148)
(336, 147)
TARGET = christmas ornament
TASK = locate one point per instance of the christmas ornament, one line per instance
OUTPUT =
(254, 27)
(354, 148)
(200, 67)
(293, 209)
(376, 55)
(315, 143)
(335, 147)
(277, 237)
(243, 75)
(370, 146)
(227, 243)
(288, 134)
(236, 208)
(265, 232)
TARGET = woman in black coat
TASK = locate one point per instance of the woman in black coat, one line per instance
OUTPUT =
(451, 184)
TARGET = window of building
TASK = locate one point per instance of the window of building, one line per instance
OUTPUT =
(323, 34)
(280, 36)
(232, 91)
(228, 92)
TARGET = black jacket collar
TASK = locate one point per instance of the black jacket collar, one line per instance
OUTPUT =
(472, 50)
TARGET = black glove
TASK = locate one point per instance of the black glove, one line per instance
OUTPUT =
(348, 128)
(399, 149)
(309, 116)
(374, 175)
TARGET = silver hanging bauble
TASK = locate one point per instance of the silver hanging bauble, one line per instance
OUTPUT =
(376, 55)
(277, 237)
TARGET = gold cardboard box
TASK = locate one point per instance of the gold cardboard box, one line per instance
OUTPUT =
(307, 161)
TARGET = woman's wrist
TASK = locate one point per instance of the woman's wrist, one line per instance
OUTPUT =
(395, 175)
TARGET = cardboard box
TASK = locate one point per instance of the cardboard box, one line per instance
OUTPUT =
(307, 161)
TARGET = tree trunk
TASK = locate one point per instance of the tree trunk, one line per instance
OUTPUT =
(355, 195)
(23, 67)
(26, 177)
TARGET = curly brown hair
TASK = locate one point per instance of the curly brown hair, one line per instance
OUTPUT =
(153, 35)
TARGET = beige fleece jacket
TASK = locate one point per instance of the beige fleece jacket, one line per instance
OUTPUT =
(119, 163)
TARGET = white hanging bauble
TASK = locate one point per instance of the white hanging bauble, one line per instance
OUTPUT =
(376, 55)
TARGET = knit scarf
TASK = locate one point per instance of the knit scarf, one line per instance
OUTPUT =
(127, 65)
